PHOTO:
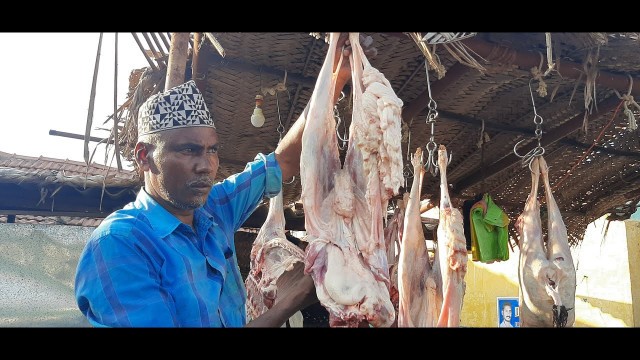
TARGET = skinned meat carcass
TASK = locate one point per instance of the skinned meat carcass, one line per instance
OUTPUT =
(393, 233)
(546, 274)
(345, 205)
(272, 254)
(416, 280)
(451, 253)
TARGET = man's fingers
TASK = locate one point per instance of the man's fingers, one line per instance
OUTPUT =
(366, 41)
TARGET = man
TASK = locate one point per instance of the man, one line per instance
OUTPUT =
(506, 314)
(168, 259)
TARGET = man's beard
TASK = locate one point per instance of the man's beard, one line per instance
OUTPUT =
(181, 204)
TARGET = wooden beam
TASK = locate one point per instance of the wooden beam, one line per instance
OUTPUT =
(526, 60)
(177, 63)
(198, 68)
(524, 131)
(567, 69)
(146, 56)
(97, 139)
(549, 138)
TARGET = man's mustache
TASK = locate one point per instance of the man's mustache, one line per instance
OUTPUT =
(200, 182)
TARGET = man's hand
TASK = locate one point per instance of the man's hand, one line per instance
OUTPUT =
(344, 50)
(296, 288)
(295, 292)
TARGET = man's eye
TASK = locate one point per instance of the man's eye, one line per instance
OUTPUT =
(213, 150)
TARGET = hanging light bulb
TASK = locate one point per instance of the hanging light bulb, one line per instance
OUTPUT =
(257, 119)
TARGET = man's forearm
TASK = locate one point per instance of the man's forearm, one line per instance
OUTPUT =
(290, 147)
(276, 316)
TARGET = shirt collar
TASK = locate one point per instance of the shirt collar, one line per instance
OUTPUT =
(165, 222)
(161, 220)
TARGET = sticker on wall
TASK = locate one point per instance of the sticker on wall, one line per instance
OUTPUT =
(508, 312)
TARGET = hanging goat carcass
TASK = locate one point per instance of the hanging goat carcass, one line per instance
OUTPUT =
(345, 205)
(546, 274)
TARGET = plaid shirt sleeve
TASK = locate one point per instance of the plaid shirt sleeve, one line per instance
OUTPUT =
(236, 197)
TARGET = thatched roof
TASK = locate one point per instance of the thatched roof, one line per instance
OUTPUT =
(48, 190)
(588, 181)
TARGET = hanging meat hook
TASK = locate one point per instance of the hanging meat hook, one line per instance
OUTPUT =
(336, 114)
(431, 165)
(538, 150)
(280, 130)
(407, 172)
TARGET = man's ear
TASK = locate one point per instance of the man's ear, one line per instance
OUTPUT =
(141, 152)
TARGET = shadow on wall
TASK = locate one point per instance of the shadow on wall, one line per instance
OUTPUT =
(590, 312)
(37, 270)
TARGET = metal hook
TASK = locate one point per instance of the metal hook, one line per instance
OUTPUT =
(528, 157)
(344, 138)
(532, 100)
(431, 164)
(280, 128)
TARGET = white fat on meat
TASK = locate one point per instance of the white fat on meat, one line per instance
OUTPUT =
(271, 256)
(546, 274)
(345, 205)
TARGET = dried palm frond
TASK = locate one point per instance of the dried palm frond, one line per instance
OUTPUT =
(151, 82)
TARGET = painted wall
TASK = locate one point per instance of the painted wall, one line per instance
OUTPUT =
(37, 270)
(607, 275)
(633, 241)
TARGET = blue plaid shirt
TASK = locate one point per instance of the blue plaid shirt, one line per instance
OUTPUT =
(142, 267)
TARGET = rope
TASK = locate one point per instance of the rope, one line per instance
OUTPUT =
(538, 75)
(628, 100)
(550, 64)
(431, 56)
(588, 151)
(591, 70)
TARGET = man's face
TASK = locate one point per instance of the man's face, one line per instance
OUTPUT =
(506, 313)
(183, 167)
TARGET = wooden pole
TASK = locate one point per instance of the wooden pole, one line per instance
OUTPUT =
(196, 64)
(177, 60)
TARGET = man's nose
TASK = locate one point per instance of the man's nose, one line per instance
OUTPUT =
(206, 163)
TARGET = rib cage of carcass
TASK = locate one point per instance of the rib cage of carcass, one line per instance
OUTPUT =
(272, 254)
(345, 205)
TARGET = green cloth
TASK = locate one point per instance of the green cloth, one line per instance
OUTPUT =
(490, 231)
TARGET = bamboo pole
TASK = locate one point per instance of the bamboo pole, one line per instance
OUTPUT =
(92, 100)
(115, 108)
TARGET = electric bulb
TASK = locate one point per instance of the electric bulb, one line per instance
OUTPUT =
(257, 119)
